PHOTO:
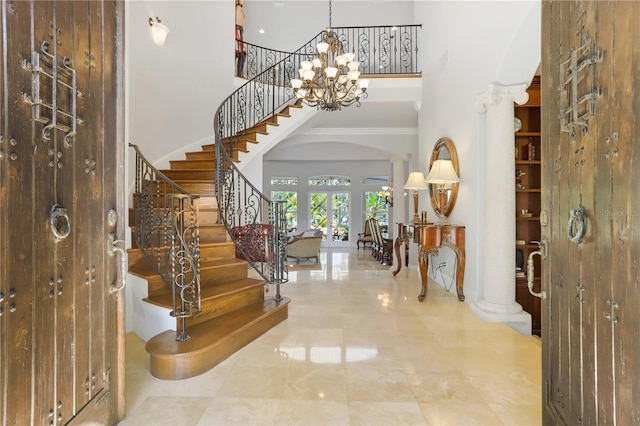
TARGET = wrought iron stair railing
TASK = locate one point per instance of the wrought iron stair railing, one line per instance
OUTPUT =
(167, 233)
(256, 224)
(166, 215)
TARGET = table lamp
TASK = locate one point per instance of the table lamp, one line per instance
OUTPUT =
(415, 182)
(442, 175)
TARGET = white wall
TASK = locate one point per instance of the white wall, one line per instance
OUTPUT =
(175, 89)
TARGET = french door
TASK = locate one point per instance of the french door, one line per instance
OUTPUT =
(329, 211)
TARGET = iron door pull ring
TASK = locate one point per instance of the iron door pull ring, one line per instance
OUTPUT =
(576, 227)
(59, 222)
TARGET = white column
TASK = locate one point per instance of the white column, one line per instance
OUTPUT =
(498, 234)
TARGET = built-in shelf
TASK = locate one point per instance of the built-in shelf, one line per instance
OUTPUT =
(528, 167)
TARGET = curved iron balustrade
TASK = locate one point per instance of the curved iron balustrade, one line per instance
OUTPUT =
(167, 233)
(256, 224)
(381, 50)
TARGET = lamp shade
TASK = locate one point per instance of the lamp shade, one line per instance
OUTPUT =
(415, 181)
(442, 172)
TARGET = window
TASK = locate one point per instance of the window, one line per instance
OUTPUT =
(291, 207)
(284, 181)
(376, 207)
(329, 181)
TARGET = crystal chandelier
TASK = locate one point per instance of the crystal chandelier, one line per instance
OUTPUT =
(332, 79)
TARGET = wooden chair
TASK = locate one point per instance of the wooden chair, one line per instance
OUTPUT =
(376, 247)
(381, 248)
(253, 238)
(365, 237)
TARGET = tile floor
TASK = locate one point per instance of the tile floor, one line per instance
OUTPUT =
(357, 349)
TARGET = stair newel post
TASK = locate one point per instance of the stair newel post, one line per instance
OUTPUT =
(279, 244)
(179, 276)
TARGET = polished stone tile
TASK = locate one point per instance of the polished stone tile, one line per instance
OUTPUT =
(239, 412)
(506, 387)
(386, 413)
(253, 382)
(358, 348)
(309, 413)
(444, 387)
(380, 385)
(321, 382)
(455, 414)
(168, 410)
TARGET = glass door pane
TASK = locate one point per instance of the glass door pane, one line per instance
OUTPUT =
(340, 217)
(318, 208)
(376, 207)
(329, 211)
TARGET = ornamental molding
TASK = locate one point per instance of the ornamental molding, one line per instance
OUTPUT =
(497, 93)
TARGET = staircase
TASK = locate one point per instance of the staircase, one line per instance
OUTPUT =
(186, 219)
(234, 309)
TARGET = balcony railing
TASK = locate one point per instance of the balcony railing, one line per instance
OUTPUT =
(381, 51)
(256, 224)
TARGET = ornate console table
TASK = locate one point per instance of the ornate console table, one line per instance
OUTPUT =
(432, 237)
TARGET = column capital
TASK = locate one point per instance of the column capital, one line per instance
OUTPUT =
(497, 93)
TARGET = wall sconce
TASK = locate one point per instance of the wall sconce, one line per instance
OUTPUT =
(387, 193)
(159, 31)
(442, 174)
(416, 182)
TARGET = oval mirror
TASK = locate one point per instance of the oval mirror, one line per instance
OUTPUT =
(443, 177)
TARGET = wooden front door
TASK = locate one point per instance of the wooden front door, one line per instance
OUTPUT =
(591, 182)
(61, 201)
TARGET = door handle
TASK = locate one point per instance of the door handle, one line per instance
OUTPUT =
(531, 273)
(113, 248)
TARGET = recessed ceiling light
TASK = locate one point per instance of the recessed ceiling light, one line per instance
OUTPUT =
(261, 31)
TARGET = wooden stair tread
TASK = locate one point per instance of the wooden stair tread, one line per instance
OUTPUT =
(135, 254)
(211, 332)
(202, 225)
(188, 174)
(212, 341)
(206, 293)
(205, 170)
(141, 268)
(192, 164)
(207, 181)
